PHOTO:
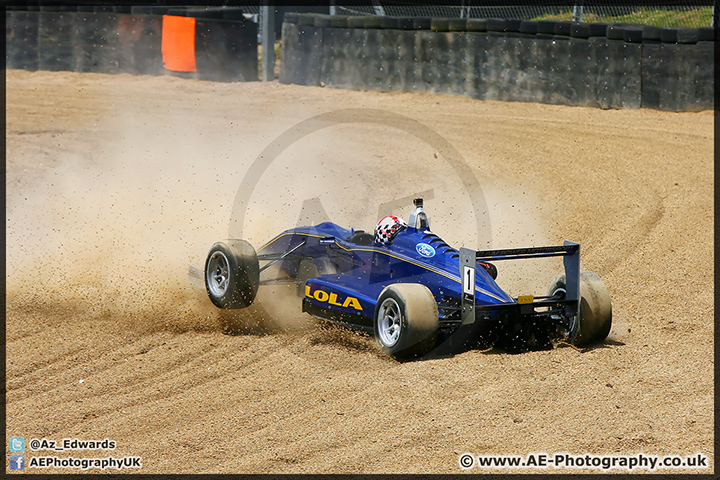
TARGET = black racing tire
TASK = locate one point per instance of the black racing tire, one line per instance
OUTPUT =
(406, 321)
(595, 316)
(232, 274)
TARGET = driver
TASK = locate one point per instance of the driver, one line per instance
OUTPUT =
(388, 227)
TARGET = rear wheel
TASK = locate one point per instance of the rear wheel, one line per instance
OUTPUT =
(594, 318)
(406, 320)
(232, 274)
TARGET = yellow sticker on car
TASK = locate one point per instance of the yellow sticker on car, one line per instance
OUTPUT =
(524, 299)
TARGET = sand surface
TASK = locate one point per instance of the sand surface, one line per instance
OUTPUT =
(115, 184)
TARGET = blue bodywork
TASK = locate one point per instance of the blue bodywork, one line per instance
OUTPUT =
(342, 275)
(352, 271)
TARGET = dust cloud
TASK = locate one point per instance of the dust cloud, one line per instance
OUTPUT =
(112, 232)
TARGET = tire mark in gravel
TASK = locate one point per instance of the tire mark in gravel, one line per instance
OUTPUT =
(98, 366)
(258, 416)
(618, 246)
(78, 408)
(156, 402)
(41, 368)
(291, 360)
(44, 367)
(305, 435)
(180, 379)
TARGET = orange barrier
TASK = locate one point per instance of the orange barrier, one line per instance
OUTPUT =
(178, 43)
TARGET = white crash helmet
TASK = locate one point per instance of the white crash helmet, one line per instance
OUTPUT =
(388, 227)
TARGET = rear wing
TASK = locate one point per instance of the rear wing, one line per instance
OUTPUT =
(569, 250)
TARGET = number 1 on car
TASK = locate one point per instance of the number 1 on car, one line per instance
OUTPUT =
(468, 280)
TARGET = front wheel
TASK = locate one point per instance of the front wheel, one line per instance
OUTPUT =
(406, 320)
(594, 318)
(232, 274)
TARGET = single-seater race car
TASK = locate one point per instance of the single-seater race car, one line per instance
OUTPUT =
(412, 290)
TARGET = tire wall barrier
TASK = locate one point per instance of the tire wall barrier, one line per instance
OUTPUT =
(218, 46)
(566, 65)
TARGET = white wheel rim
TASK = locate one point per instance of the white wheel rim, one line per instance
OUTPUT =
(389, 322)
(217, 274)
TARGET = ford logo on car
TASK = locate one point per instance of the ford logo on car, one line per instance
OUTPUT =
(425, 250)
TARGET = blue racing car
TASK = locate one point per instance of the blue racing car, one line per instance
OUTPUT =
(412, 290)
